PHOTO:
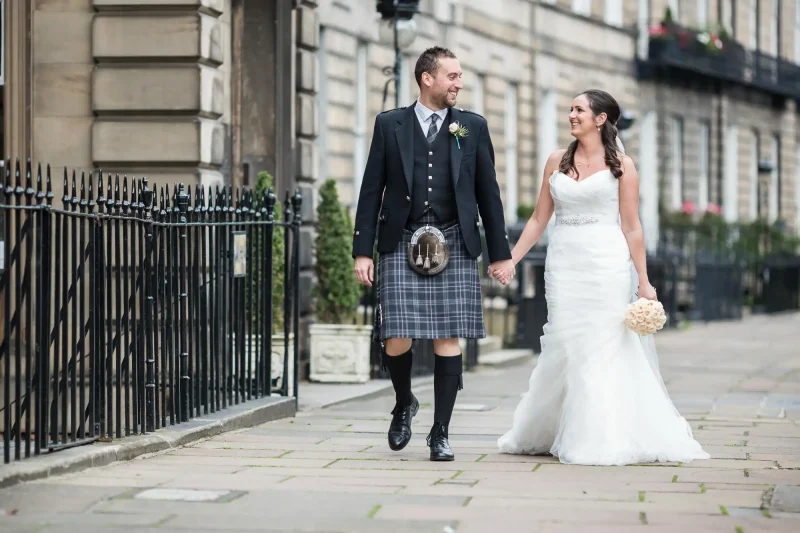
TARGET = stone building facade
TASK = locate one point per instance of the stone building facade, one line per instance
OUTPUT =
(212, 91)
(693, 138)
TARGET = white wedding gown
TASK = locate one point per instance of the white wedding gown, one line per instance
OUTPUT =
(596, 396)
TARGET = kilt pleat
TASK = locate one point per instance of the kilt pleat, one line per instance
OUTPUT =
(447, 305)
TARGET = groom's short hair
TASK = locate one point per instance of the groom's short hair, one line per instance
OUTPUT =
(429, 62)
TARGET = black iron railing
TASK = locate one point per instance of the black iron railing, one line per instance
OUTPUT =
(127, 309)
(680, 49)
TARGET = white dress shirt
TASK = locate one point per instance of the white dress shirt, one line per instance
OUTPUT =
(424, 117)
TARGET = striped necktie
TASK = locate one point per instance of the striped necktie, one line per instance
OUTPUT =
(432, 130)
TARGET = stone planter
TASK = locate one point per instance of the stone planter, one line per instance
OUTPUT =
(276, 364)
(340, 353)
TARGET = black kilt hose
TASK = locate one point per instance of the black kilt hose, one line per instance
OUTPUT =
(445, 306)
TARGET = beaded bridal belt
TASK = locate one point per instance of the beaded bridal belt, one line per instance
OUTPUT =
(581, 220)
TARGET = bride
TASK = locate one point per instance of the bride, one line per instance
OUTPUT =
(596, 396)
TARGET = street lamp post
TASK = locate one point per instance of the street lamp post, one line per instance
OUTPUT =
(397, 28)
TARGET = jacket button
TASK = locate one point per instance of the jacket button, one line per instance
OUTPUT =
(408, 198)
(358, 233)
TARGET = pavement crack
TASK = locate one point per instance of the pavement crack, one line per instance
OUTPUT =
(723, 511)
(643, 518)
(287, 478)
(374, 511)
(675, 478)
(702, 488)
(746, 472)
(641, 496)
(466, 501)
(331, 463)
(537, 467)
(479, 459)
(457, 474)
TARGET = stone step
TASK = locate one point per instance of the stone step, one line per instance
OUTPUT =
(503, 358)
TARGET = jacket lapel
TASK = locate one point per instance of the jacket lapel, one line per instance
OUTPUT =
(455, 152)
(405, 141)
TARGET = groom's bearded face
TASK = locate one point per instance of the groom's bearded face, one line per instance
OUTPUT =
(446, 83)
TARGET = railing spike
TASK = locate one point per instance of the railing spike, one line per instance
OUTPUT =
(29, 192)
(126, 205)
(49, 186)
(101, 200)
(83, 191)
(39, 185)
(75, 200)
(65, 198)
(9, 189)
(92, 203)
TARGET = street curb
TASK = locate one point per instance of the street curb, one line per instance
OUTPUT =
(241, 416)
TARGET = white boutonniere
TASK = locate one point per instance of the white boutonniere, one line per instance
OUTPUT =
(457, 130)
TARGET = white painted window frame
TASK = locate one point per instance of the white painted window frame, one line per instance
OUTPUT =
(582, 7)
(702, 13)
(676, 138)
(754, 188)
(704, 165)
(775, 179)
(675, 7)
(730, 205)
(614, 12)
(511, 159)
(360, 129)
(752, 24)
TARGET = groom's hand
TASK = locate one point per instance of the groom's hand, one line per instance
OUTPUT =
(502, 271)
(365, 270)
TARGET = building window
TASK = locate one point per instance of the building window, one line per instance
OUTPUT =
(676, 161)
(322, 101)
(582, 7)
(702, 13)
(728, 15)
(547, 130)
(775, 180)
(755, 187)
(478, 94)
(360, 130)
(674, 7)
(512, 195)
(614, 12)
(775, 30)
(753, 24)
(730, 204)
(704, 165)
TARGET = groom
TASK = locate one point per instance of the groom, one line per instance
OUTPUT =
(430, 171)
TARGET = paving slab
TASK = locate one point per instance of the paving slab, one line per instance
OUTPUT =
(330, 470)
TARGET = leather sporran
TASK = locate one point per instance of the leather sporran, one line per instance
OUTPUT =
(428, 253)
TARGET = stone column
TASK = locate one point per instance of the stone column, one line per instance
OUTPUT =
(159, 89)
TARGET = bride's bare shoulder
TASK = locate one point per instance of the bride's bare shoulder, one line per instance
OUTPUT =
(554, 161)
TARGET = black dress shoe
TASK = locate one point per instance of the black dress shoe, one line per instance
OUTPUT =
(437, 442)
(400, 428)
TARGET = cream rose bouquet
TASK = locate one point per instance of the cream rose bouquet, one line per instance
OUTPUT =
(645, 317)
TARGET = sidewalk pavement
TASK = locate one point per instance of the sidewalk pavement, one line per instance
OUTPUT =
(330, 470)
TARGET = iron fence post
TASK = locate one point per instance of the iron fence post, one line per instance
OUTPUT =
(297, 204)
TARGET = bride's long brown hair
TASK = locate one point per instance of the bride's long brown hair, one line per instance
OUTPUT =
(599, 102)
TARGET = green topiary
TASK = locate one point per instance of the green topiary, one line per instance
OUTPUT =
(263, 185)
(337, 289)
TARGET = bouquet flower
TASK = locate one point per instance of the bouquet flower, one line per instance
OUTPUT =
(645, 317)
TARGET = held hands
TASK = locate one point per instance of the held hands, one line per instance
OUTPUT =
(365, 270)
(502, 271)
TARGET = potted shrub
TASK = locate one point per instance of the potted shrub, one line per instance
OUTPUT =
(340, 351)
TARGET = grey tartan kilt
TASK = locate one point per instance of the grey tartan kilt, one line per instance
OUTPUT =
(445, 306)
